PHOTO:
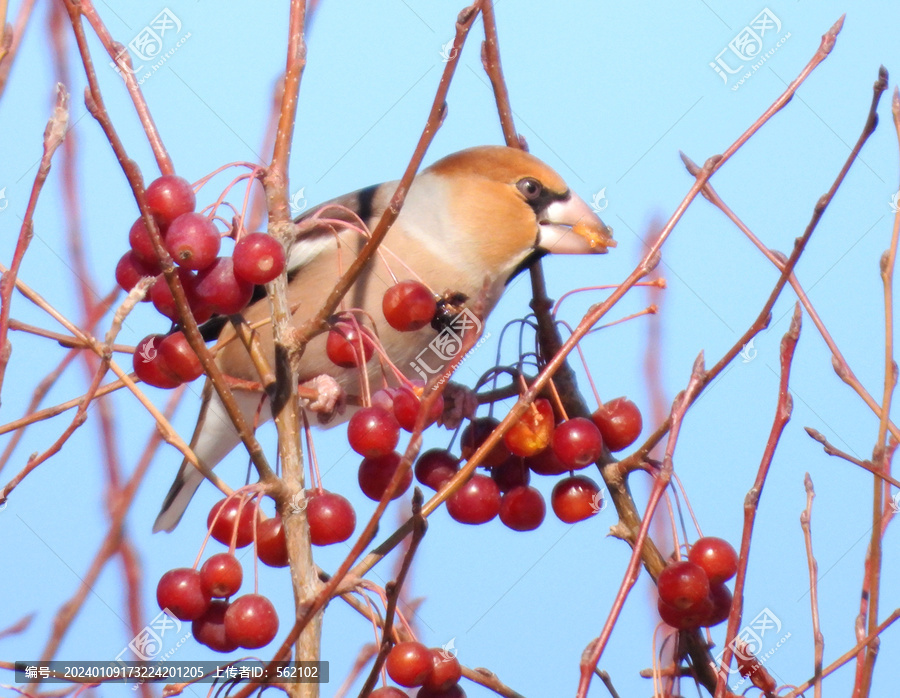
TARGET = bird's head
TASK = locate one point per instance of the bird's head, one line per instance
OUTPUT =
(511, 207)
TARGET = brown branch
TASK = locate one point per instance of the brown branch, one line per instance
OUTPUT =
(490, 59)
(783, 410)
(392, 591)
(54, 134)
(833, 451)
(594, 651)
(818, 638)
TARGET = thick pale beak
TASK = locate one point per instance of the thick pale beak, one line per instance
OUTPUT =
(571, 227)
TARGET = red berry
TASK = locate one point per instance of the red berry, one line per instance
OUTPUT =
(620, 423)
(180, 591)
(193, 241)
(408, 306)
(534, 430)
(476, 502)
(223, 527)
(721, 598)
(683, 585)
(142, 245)
(130, 270)
(164, 302)
(271, 545)
(375, 474)
(179, 358)
(455, 691)
(445, 671)
(511, 473)
(209, 629)
(251, 621)
(258, 258)
(436, 467)
(577, 442)
(575, 498)
(409, 663)
(221, 575)
(717, 558)
(684, 619)
(522, 508)
(331, 517)
(373, 432)
(220, 289)
(388, 692)
(168, 197)
(475, 434)
(406, 405)
(546, 463)
(150, 366)
(343, 345)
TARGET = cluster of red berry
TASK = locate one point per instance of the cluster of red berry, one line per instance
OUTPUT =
(412, 664)
(692, 592)
(212, 284)
(535, 443)
(203, 596)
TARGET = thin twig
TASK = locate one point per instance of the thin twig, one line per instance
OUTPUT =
(818, 638)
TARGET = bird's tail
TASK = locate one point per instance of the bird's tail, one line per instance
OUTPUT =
(214, 438)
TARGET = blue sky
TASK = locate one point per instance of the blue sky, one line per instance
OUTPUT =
(606, 93)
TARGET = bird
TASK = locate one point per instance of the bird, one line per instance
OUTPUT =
(469, 224)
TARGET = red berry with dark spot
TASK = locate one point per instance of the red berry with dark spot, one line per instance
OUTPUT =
(475, 434)
(721, 598)
(717, 558)
(221, 575)
(130, 270)
(180, 591)
(271, 545)
(258, 258)
(142, 245)
(683, 584)
(476, 502)
(511, 473)
(150, 366)
(575, 498)
(179, 358)
(684, 618)
(168, 197)
(251, 621)
(373, 432)
(436, 467)
(445, 671)
(408, 306)
(620, 423)
(209, 629)
(546, 463)
(406, 405)
(193, 241)
(223, 527)
(533, 431)
(164, 302)
(343, 346)
(221, 290)
(331, 517)
(577, 442)
(522, 508)
(375, 475)
(409, 663)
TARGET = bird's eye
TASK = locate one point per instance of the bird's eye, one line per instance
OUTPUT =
(530, 188)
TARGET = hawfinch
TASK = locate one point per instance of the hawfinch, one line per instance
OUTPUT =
(469, 224)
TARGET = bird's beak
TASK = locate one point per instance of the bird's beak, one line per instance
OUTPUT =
(571, 227)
